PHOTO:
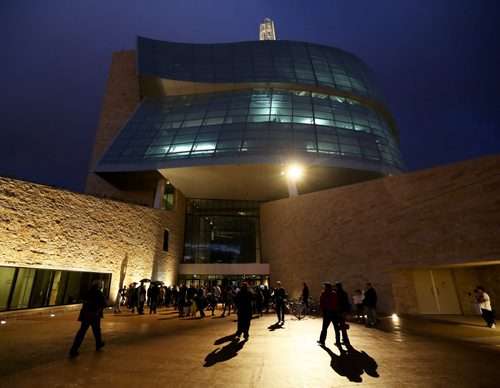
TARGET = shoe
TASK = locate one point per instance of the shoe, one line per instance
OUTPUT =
(246, 336)
(73, 353)
(100, 345)
(338, 344)
(322, 343)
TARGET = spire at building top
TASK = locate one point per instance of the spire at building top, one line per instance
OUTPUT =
(266, 30)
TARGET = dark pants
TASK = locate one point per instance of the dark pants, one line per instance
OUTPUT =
(80, 334)
(488, 317)
(337, 321)
(280, 311)
(244, 319)
(152, 307)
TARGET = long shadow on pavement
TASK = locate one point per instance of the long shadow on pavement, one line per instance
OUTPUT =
(226, 352)
(352, 363)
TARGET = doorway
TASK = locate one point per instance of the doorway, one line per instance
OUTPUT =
(436, 292)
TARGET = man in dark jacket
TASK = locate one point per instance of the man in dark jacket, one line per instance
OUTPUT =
(330, 308)
(280, 300)
(370, 302)
(243, 301)
(90, 315)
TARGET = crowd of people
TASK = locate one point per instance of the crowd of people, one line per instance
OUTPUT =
(245, 301)
(193, 300)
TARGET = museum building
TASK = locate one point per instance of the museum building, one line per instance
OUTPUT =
(259, 161)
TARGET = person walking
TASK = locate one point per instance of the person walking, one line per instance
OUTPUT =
(243, 301)
(90, 315)
(280, 300)
(485, 305)
(370, 303)
(330, 308)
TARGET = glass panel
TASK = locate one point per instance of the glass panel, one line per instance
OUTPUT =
(57, 289)
(6, 278)
(41, 288)
(22, 289)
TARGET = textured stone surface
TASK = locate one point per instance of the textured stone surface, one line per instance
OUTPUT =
(44, 227)
(368, 231)
(120, 101)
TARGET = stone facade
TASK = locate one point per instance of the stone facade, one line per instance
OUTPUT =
(121, 98)
(44, 227)
(379, 230)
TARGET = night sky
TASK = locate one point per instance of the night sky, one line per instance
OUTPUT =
(437, 63)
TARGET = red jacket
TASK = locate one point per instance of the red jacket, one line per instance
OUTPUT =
(329, 301)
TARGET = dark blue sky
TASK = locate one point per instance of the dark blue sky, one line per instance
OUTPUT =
(437, 63)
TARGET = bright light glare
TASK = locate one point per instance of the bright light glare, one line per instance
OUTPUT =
(52, 315)
(3, 322)
(395, 317)
(294, 172)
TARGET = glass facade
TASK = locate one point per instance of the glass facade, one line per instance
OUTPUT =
(272, 123)
(221, 231)
(22, 288)
(257, 61)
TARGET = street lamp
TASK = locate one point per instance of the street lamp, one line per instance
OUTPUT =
(292, 175)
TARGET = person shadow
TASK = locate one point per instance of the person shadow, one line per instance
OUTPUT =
(275, 326)
(226, 352)
(352, 363)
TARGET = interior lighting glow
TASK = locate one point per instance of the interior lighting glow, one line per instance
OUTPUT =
(3, 322)
(395, 317)
(52, 315)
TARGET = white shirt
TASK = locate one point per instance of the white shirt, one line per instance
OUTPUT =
(485, 304)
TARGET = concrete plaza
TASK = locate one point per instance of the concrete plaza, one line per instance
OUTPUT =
(163, 350)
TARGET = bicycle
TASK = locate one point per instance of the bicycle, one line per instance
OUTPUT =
(297, 308)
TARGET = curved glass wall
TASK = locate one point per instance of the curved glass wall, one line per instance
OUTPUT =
(265, 122)
(257, 61)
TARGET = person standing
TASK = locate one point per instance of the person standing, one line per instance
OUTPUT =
(90, 315)
(243, 300)
(370, 303)
(358, 302)
(305, 296)
(344, 308)
(227, 300)
(141, 291)
(267, 298)
(280, 300)
(154, 292)
(330, 308)
(485, 305)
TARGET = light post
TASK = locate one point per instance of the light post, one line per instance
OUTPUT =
(292, 175)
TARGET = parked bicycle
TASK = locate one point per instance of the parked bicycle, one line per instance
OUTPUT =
(297, 308)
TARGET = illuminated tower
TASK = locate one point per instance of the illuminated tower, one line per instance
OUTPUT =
(267, 30)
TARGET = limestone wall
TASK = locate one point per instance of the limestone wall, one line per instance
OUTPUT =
(44, 227)
(121, 99)
(368, 231)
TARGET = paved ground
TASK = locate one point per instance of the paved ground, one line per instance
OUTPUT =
(163, 350)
